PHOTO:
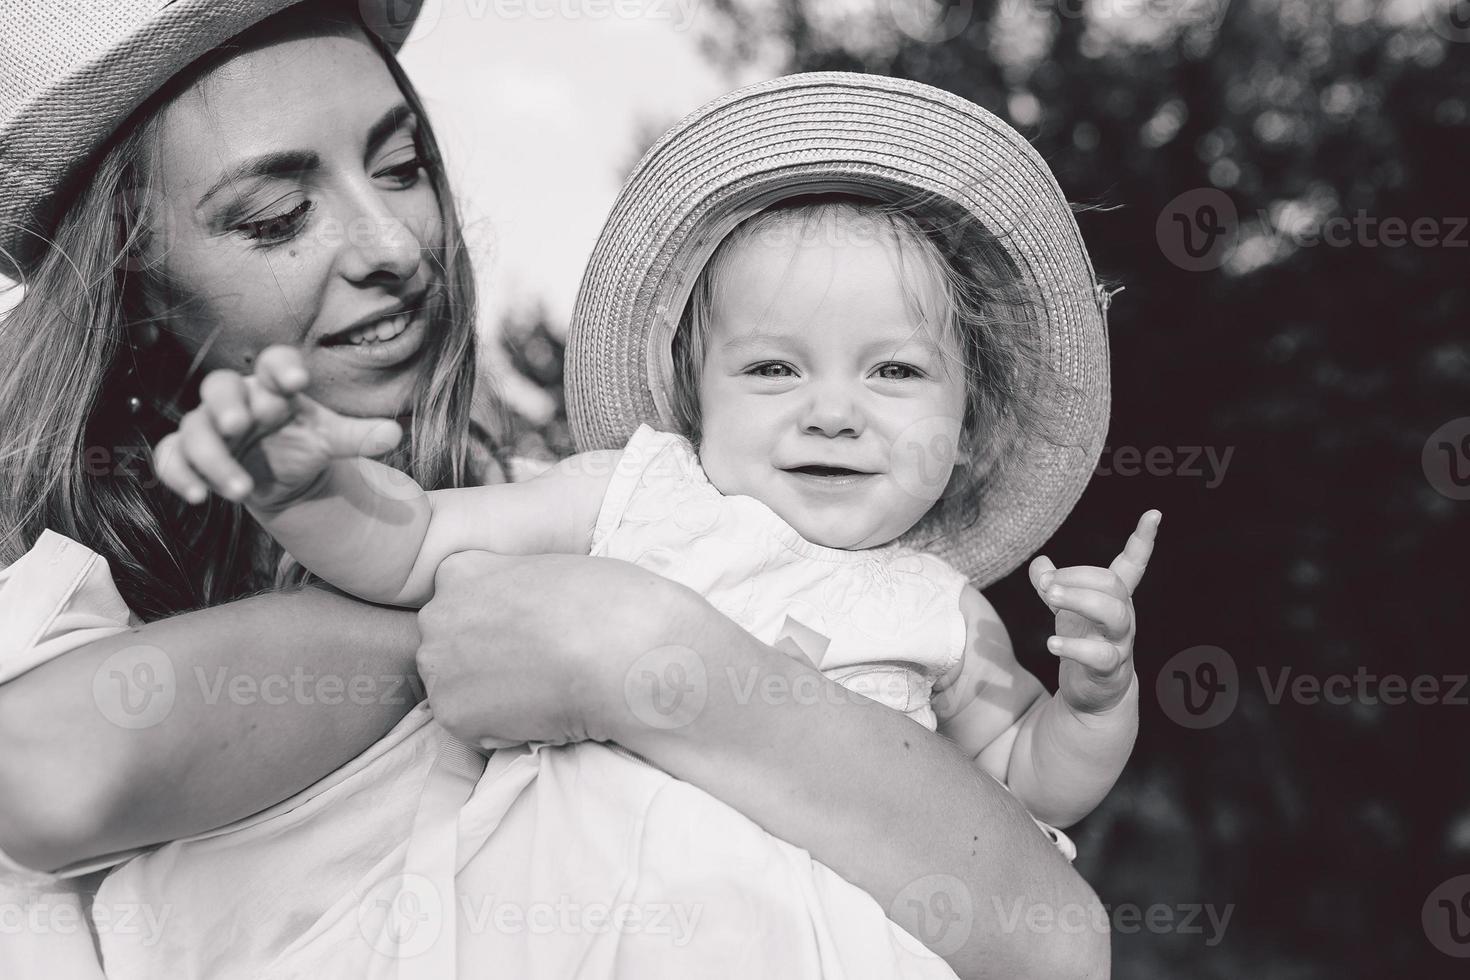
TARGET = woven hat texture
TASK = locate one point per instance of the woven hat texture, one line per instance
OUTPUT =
(882, 138)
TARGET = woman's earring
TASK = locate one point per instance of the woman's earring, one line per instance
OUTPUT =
(141, 337)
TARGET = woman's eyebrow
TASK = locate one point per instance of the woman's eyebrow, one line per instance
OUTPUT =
(291, 163)
(287, 163)
(389, 123)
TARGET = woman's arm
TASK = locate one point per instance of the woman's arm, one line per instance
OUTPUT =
(269, 694)
(593, 648)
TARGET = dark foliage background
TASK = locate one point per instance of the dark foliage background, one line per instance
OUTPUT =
(1323, 358)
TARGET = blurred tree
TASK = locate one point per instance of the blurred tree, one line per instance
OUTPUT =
(1320, 350)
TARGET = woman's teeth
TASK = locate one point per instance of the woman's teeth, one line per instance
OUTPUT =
(377, 333)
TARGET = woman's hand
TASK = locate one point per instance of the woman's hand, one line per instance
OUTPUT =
(532, 648)
(562, 649)
(1095, 621)
(258, 440)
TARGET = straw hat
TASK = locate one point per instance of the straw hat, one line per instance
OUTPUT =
(71, 71)
(882, 138)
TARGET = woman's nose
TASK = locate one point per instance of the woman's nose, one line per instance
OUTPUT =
(831, 411)
(379, 243)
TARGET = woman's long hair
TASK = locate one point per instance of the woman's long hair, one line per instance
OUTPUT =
(88, 383)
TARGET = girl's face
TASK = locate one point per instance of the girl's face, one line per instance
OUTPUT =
(831, 390)
(294, 209)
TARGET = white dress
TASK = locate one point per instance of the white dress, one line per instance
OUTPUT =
(419, 859)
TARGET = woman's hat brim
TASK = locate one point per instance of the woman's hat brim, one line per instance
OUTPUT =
(882, 138)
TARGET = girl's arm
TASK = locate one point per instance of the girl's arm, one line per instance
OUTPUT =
(270, 694)
(594, 648)
(1057, 761)
(370, 530)
(305, 475)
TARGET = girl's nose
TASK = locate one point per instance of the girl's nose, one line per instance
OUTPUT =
(832, 412)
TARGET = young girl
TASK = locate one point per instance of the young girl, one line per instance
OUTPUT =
(850, 374)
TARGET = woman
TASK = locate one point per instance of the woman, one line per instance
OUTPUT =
(287, 189)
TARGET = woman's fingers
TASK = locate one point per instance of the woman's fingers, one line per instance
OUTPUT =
(174, 471)
(1112, 616)
(205, 451)
(1131, 564)
(1092, 653)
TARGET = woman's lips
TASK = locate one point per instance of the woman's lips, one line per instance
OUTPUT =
(385, 343)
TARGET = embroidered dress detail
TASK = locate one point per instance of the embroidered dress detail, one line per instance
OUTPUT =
(884, 622)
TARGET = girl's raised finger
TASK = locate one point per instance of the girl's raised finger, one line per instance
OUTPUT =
(282, 370)
(174, 471)
(1090, 577)
(1108, 613)
(207, 453)
(1131, 564)
(269, 409)
(222, 395)
(1090, 652)
(1041, 570)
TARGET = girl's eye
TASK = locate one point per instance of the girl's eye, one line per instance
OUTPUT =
(894, 371)
(277, 228)
(772, 369)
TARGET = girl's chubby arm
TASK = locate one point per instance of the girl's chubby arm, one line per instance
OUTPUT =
(1059, 754)
(305, 474)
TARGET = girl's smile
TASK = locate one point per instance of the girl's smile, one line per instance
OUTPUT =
(829, 368)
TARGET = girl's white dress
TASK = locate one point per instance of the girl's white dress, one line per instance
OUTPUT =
(419, 859)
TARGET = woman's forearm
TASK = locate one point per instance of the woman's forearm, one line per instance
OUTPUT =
(268, 695)
(897, 810)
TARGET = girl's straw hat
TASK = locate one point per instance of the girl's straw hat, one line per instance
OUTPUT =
(882, 138)
(71, 71)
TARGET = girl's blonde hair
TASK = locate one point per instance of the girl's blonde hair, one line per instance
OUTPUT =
(86, 389)
(1011, 386)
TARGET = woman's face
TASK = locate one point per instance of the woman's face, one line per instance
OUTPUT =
(294, 209)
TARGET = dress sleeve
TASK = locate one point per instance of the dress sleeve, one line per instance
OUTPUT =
(53, 599)
(56, 597)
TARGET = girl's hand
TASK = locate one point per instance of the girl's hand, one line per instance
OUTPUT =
(259, 441)
(535, 649)
(1095, 622)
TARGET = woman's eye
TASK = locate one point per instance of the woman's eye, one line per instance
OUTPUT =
(772, 369)
(894, 371)
(279, 227)
(406, 174)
